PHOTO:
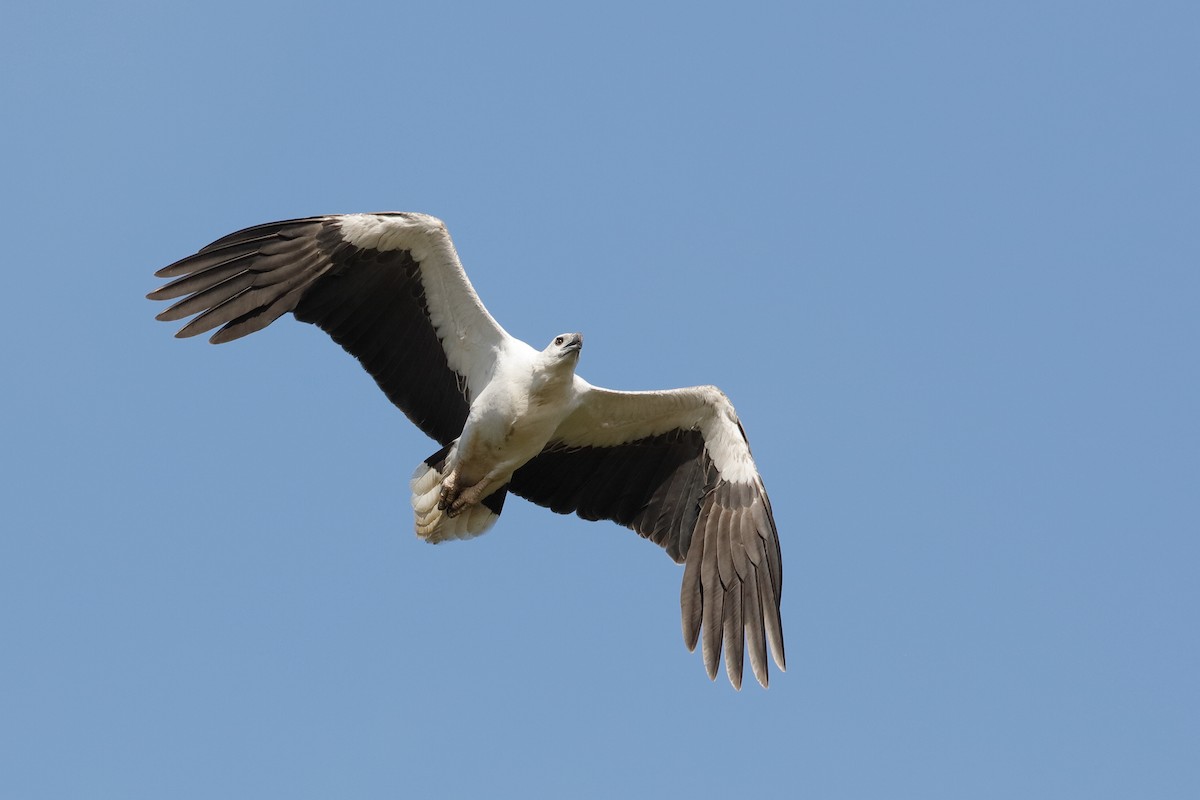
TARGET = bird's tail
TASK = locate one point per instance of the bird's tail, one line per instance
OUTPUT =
(433, 524)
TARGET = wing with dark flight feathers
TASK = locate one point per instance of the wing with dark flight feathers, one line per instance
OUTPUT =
(675, 467)
(388, 288)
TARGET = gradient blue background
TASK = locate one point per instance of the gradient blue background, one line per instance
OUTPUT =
(942, 256)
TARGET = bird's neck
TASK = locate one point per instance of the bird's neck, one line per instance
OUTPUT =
(551, 378)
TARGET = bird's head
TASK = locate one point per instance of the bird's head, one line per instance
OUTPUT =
(565, 346)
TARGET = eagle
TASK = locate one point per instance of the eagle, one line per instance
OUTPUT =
(673, 465)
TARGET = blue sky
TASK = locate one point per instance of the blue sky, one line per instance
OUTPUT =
(942, 256)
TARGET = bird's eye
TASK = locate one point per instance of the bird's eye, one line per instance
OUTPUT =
(558, 340)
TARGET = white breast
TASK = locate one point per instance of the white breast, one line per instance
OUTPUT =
(514, 416)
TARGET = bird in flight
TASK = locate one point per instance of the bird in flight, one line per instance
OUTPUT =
(673, 465)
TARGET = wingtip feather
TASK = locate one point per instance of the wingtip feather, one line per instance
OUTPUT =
(228, 334)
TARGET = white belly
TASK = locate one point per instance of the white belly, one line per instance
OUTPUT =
(509, 423)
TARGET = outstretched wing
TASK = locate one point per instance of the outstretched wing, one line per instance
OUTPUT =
(388, 288)
(675, 466)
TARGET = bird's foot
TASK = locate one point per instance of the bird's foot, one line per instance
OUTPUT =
(449, 494)
(467, 498)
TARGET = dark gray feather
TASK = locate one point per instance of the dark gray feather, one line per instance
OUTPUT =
(755, 637)
(691, 600)
(733, 628)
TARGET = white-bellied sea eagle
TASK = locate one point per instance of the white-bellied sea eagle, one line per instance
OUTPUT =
(673, 465)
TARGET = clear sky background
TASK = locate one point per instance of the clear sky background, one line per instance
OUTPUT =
(943, 257)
